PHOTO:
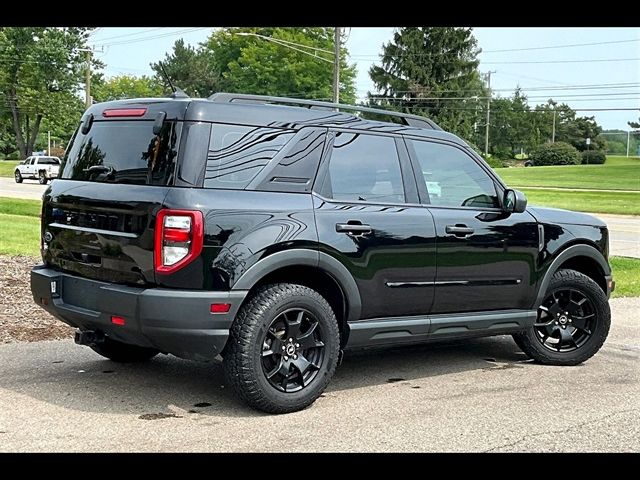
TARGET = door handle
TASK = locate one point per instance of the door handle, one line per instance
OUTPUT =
(458, 230)
(353, 228)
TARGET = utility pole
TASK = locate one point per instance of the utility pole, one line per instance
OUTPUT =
(628, 138)
(553, 131)
(336, 66)
(486, 132)
(87, 83)
(49, 143)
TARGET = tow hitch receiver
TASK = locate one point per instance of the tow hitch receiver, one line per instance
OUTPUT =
(88, 337)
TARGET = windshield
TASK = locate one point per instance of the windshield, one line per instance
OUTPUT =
(122, 152)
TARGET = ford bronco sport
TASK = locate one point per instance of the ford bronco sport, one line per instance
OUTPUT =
(276, 233)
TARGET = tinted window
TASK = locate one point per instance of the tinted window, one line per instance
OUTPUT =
(453, 178)
(238, 153)
(48, 161)
(364, 167)
(122, 152)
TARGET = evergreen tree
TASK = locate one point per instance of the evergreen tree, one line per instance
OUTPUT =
(423, 68)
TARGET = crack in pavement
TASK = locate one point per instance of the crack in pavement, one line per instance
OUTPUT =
(564, 430)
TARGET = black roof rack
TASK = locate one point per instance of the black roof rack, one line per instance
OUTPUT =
(407, 118)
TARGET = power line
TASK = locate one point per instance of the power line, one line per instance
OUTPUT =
(153, 37)
(591, 60)
(561, 46)
(548, 47)
(130, 34)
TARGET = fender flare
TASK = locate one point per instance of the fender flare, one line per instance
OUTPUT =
(563, 256)
(311, 258)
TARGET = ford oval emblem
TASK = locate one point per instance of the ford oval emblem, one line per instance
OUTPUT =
(48, 236)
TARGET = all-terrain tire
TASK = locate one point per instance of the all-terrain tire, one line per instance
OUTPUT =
(243, 363)
(123, 352)
(529, 341)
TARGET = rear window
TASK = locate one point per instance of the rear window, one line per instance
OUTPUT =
(238, 153)
(122, 152)
(48, 161)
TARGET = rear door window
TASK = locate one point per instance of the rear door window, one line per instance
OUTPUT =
(48, 161)
(123, 152)
(237, 153)
(364, 168)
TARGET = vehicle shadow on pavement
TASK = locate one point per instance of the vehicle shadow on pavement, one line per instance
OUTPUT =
(168, 387)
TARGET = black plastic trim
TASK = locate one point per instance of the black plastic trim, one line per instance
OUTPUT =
(312, 258)
(417, 329)
(570, 252)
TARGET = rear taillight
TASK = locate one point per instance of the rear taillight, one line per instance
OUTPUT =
(178, 239)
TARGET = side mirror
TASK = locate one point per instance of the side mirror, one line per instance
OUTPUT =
(514, 201)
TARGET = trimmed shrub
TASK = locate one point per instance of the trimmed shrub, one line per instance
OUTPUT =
(593, 157)
(494, 162)
(558, 153)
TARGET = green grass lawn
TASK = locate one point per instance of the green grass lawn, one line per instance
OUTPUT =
(626, 273)
(623, 203)
(19, 235)
(7, 167)
(20, 227)
(16, 206)
(618, 173)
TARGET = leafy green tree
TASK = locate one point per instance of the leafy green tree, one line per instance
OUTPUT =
(511, 126)
(423, 67)
(191, 69)
(634, 124)
(7, 138)
(42, 68)
(244, 63)
(126, 86)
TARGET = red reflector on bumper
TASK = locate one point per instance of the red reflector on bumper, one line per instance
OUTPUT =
(117, 320)
(220, 307)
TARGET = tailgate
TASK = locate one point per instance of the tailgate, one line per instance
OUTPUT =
(90, 232)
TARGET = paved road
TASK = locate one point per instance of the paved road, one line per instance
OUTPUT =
(625, 229)
(29, 189)
(624, 233)
(476, 395)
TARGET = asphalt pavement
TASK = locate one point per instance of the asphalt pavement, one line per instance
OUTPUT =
(29, 189)
(475, 395)
(624, 229)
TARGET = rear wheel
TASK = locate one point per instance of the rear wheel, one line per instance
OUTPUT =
(123, 352)
(573, 321)
(42, 178)
(18, 176)
(283, 348)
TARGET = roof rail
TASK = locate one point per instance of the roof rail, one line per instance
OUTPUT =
(407, 118)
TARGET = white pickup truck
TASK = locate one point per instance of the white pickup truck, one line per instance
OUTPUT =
(40, 167)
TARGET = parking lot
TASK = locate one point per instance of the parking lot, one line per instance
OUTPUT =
(476, 395)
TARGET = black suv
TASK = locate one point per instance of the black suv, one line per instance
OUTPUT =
(276, 233)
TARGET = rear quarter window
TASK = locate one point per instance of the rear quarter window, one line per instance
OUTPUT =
(237, 153)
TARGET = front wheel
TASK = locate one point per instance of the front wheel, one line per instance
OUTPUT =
(42, 178)
(18, 176)
(573, 321)
(283, 348)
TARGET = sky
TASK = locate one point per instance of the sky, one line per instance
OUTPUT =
(550, 73)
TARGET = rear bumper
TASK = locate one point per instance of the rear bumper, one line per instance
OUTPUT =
(173, 321)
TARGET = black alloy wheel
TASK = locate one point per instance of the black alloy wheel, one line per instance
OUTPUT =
(566, 320)
(572, 324)
(293, 350)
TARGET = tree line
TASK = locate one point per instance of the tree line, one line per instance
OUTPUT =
(430, 71)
